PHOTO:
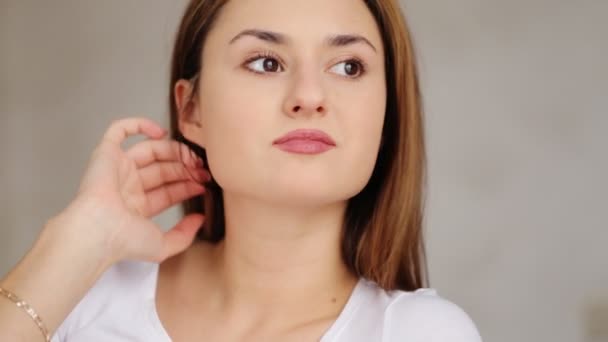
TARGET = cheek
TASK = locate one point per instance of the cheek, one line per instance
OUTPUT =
(235, 128)
(363, 134)
(365, 141)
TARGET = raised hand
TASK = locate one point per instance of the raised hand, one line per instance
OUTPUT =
(122, 190)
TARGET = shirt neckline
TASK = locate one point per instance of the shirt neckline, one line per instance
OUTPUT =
(348, 312)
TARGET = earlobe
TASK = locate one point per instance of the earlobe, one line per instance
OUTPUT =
(189, 118)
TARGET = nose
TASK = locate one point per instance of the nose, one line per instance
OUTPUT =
(306, 96)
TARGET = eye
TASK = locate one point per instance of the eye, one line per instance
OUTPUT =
(350, 68)
(262, 64)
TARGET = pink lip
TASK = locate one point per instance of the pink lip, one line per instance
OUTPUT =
(306, 141)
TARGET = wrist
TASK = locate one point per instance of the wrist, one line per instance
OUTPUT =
(61, 262)
(73, 232)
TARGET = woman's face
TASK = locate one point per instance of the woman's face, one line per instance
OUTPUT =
(274, 66)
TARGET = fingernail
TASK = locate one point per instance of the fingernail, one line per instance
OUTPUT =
(203, 175)
(207, 176)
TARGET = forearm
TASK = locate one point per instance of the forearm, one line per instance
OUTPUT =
(52, 278)
(108, 221)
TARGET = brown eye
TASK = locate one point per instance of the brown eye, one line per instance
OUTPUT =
(271, 65)
(350, 68)
(262, 65)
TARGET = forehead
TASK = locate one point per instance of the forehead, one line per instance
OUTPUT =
(301, 20)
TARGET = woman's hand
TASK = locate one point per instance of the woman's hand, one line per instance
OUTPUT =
(108, 221)
(121, 190)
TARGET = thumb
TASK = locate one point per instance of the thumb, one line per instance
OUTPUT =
(180, 237)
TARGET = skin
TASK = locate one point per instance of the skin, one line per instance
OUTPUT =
(109, 220)
(278, 275)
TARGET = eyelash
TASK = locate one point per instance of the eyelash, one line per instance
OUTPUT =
(269, 54)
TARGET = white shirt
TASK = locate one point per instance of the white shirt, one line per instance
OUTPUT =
(121, 307)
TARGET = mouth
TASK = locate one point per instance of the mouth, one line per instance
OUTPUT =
(305, 141)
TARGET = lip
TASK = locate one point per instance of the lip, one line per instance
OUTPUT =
(305, 141)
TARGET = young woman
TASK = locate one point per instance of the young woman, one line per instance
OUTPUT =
(297, 148)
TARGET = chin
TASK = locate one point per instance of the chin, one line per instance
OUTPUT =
(296, 190)
(309, 195)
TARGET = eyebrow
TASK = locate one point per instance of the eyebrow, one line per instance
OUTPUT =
(280, 39)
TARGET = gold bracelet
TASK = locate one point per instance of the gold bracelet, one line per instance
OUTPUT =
(25, 306)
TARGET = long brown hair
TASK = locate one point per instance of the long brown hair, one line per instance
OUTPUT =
(382, 234)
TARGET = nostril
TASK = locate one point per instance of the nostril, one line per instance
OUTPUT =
(296, 108)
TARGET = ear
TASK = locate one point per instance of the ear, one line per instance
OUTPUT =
(188, 112)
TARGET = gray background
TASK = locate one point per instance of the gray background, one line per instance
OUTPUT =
(515, 93)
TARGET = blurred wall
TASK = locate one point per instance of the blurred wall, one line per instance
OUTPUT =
(515, 94)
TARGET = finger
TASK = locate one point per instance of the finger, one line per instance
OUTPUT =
(180, 237)
(160, 173)
(147, 152)
(120, 130)
(166, 196)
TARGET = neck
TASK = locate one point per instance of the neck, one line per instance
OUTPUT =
(284, 260)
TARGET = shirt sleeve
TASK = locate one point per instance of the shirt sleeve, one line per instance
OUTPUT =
(426, 317)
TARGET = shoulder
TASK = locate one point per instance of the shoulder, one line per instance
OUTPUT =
(121, 282)
(374, 314)
(111, 296)
(423, 315)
